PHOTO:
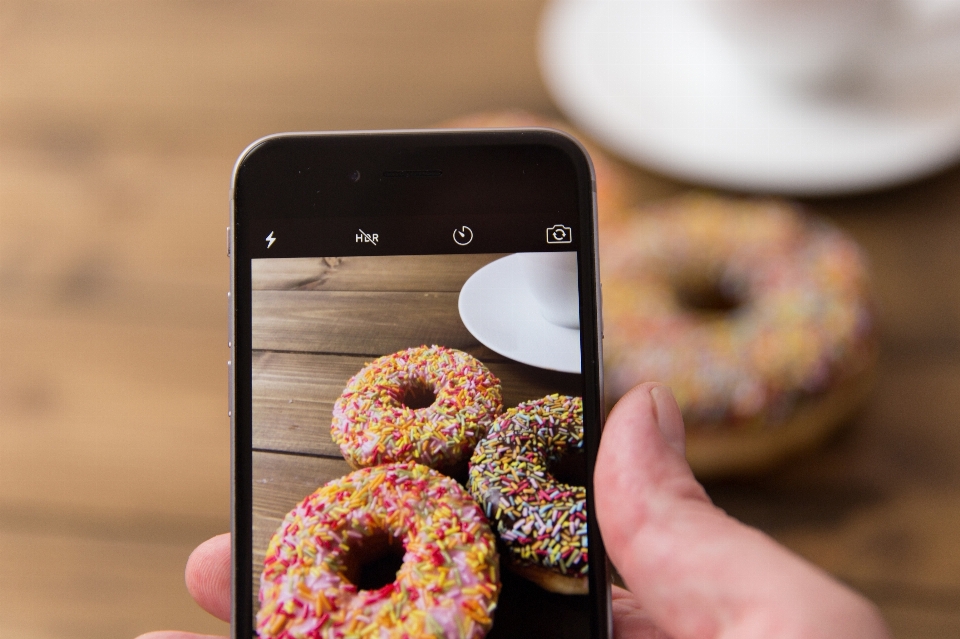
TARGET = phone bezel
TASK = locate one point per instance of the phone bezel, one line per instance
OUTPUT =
(386, 147)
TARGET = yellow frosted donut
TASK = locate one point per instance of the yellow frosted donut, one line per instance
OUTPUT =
(429, 404)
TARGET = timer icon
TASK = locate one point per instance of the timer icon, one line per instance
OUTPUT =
(463, 235)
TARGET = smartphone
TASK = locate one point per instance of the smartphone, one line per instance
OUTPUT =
(416, 386)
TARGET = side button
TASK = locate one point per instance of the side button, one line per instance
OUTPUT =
(228, 241)
(601, 312)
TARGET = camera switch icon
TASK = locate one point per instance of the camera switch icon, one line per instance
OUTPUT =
(559, 234)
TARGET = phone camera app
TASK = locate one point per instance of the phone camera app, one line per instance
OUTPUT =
(559, 234)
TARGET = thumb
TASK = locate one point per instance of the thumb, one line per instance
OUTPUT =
(208, 576)
(695, 571)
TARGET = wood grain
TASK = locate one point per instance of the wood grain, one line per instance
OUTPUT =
(55, 585)
(425, 273)
(361, 323)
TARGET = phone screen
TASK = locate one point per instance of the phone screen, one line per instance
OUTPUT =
(420, 423)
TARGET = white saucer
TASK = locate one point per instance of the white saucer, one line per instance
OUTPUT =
(653, 81)
(499, 311)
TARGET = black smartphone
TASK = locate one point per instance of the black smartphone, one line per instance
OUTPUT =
(416, 386)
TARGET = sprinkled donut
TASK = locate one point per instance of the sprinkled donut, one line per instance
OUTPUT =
(427, 404)
(541, 520)
(447, 586)
(756, 315)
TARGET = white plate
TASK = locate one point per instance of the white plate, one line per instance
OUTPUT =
(497, 308)
(653, 81)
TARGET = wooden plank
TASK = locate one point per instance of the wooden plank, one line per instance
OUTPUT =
(426, 273)
(913, 620)
(104, 416)
(89, 587)
(881, 503)
(293, 396)
(294, 393)
(358, 323)
(134, 74)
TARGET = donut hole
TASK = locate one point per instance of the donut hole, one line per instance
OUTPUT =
(373, 561)
(707, 295)
(417, 394)
(569, 468)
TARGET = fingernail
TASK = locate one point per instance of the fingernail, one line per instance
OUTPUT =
(669, 419)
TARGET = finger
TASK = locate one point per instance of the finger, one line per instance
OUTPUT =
(174, 634)
(208, 576)
(695, 571)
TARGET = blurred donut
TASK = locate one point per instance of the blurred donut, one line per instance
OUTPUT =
(756, 314)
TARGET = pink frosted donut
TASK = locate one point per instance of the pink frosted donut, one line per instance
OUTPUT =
(447, 586)
(429, 404)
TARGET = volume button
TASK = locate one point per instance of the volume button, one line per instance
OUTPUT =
(601, 311)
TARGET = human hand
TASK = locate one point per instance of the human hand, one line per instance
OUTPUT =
(693, 572)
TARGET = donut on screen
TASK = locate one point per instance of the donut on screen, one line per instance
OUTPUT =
(447, 586)
(528, 474)
(429, 404)
(756, 315)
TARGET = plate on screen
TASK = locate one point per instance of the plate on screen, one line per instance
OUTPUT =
(654, 81)
(497, 308)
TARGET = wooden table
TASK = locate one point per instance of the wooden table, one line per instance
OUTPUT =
(119, 124)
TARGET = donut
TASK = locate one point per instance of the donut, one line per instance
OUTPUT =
(429, 404)
(517, 475)
(757, 315)
(446, 587)
(613, 188)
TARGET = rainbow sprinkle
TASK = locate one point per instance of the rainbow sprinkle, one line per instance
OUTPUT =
(446, 588)
(541, 521)
(804, 321)
(372, 425)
